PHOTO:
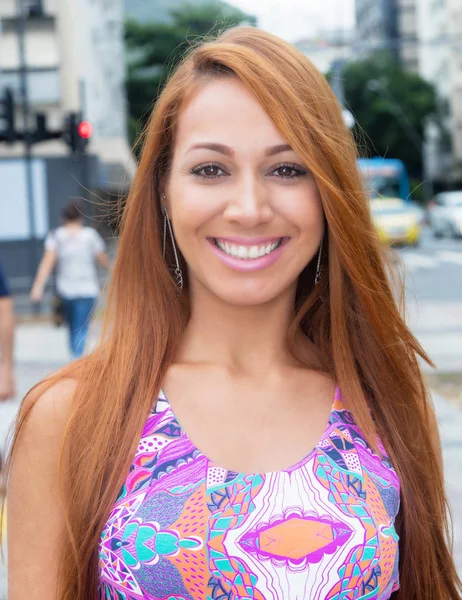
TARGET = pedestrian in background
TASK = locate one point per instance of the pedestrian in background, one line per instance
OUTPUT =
(7, 321)
(74, 249)
(255, 422)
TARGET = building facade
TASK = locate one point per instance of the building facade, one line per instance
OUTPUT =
(75, 62)
(388, 25)
(408, 46)
(440, 50)
(328, 48)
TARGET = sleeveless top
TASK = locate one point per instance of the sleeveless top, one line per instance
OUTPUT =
(185, 528)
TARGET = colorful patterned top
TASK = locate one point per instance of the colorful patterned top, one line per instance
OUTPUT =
(184, 528)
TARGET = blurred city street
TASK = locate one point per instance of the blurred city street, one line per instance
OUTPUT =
(434, 298)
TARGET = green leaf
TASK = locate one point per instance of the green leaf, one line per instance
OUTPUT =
(154, 49)
(384, 116)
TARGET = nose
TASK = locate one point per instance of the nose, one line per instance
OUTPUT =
(250, 206)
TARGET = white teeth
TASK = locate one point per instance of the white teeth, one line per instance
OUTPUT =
(247, 252)
(253, 252)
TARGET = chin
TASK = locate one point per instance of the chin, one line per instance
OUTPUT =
(247, 295)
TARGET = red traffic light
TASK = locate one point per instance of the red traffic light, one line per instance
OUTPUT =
(85, 130)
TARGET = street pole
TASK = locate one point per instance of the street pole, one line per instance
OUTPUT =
(337, 82)
(21, 20)
(83, 158)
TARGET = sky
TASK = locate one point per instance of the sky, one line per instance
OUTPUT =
(296, 19)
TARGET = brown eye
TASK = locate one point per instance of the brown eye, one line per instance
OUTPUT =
(208, 171)
(285, 171)
(289, 172)
(211, 171)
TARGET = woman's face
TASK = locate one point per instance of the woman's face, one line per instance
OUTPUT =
(245, 210)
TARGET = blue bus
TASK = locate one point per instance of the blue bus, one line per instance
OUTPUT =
(385, 178)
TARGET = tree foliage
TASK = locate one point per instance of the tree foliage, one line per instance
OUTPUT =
(154, 50)
(391, 106)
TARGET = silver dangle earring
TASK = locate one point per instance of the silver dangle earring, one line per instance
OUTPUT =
(175, 270)
(319, 268)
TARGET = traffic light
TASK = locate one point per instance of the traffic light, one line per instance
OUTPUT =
(77, 132)
(7, 121)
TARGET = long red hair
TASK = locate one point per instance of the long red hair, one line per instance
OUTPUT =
(357, 326)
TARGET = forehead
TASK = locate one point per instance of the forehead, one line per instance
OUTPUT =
(224, 110)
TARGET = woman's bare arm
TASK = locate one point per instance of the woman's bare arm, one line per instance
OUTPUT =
(7, 323)
(46, 266)
(34, 515)
(103, 260)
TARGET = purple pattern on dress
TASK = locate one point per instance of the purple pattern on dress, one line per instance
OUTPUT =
(184, 528)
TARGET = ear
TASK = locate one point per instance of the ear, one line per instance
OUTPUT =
(163, 201)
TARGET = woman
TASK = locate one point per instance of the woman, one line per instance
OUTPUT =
(75, 248)
(255, 423)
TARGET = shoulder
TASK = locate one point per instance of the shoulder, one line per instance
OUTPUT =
(48, 415)
(95, 239)
(39, 435)
(55, 235)
(90, 232)
(35, 513)
(59, 232)
(55, 400)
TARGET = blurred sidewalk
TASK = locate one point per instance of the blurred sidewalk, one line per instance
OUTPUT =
(438, 326)
(450, 423)
(42, 348)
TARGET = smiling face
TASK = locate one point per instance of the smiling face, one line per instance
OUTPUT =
(245, 210)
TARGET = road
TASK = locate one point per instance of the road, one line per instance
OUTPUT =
(434, 269)
(434, 298)
(434, 295)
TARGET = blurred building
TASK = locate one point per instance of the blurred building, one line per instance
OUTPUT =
(388, 25)
(440, 48)
(328, 48)
(74, 57)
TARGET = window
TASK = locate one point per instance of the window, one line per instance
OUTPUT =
(34, 8)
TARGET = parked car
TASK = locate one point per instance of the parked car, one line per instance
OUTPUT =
(396, 221)
(445, 214)
(420, 212)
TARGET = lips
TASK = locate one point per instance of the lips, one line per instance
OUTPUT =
(248, 254)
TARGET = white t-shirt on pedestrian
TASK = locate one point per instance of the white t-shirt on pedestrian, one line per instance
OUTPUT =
(77, 276)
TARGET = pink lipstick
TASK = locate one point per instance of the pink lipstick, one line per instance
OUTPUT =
(248, 254)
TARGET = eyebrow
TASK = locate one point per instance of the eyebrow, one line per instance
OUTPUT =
(227, 151)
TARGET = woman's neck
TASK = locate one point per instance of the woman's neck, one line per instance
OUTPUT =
(240, 338)
(73, 225)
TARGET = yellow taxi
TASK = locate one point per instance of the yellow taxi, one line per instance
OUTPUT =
(396, 221)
